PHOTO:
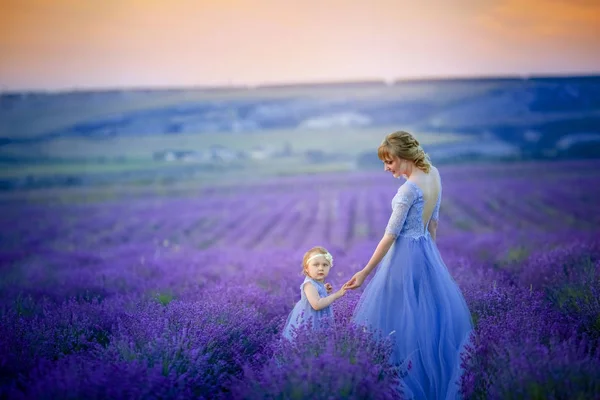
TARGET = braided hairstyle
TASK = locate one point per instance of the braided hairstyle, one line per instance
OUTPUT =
(404, 146)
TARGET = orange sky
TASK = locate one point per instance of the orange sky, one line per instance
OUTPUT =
(62, 44)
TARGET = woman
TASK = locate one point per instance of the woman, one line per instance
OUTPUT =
(412, 295)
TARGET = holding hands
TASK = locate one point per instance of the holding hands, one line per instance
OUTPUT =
(356, 281)
(339, 293)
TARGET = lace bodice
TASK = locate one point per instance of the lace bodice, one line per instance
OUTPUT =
(407, 212)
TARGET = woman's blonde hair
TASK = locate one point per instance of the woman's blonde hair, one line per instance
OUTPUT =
(310, 253)
(404, 146)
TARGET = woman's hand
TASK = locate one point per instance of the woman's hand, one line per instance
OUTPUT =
(329, 288)
(356, 280)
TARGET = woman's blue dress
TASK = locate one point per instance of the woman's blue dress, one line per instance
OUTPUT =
(414, 299)
(303, 312)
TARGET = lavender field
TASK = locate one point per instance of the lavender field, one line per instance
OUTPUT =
(181, 295)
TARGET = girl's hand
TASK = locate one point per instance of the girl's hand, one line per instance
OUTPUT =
(341, 292)
(355, 281)
(329, 288)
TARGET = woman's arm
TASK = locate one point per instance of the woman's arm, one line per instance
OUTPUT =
(380, 251)
(432, 228)
(433, 222)
(317, 302)
(401, 205)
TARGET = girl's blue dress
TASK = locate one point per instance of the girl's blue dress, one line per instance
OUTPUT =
(303, 311)
(414, 299)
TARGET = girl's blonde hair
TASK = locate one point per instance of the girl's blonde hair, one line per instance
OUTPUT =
(404, 146)
(310, 253)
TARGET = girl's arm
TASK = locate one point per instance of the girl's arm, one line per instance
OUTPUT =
(317, 302)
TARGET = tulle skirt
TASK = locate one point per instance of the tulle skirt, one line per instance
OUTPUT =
(414, 299)
(304, 314)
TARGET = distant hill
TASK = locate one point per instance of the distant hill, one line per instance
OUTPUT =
(495, 105)
(507, 118)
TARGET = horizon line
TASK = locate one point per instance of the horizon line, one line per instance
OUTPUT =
(302, 84)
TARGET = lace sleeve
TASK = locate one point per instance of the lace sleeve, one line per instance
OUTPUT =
(401, 203)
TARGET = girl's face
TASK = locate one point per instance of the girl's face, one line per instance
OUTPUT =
(396, 166)
(318, 268)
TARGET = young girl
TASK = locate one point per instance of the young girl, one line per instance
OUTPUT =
(315, 303)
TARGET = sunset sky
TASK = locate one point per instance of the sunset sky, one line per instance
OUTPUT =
(64, 44)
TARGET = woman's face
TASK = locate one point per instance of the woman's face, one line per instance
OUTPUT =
(396, 166)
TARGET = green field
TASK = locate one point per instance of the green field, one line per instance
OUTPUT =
(348, 141)
(84, 155)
